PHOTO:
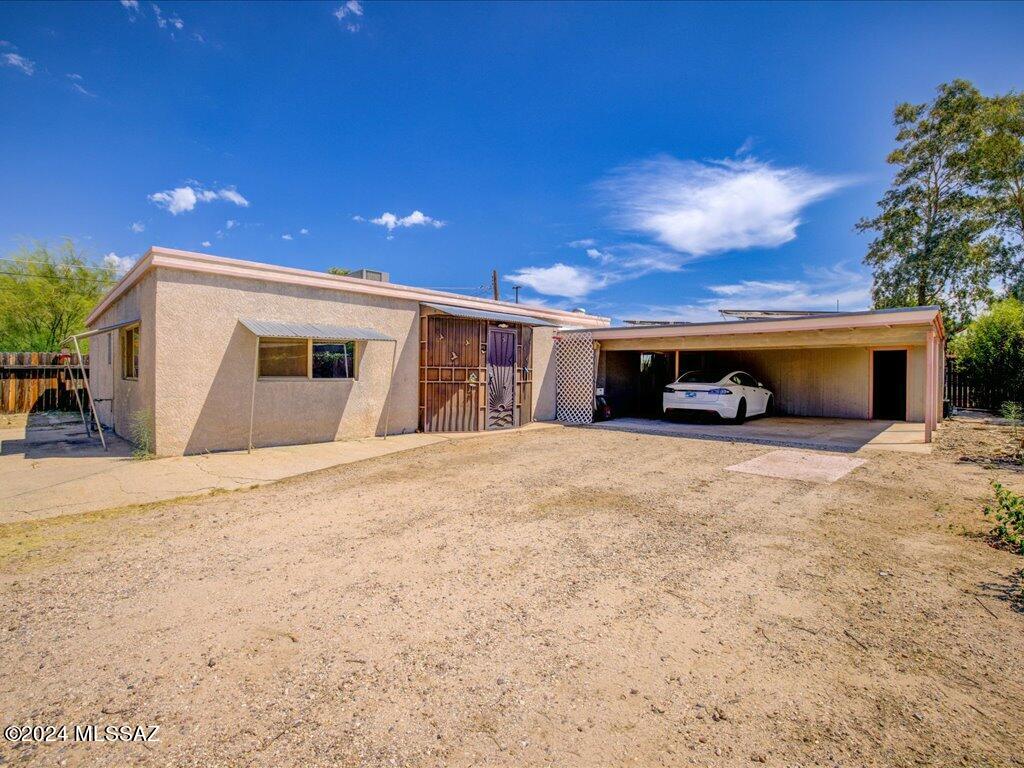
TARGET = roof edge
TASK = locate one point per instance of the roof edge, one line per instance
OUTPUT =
(172, 258)
(926, 315)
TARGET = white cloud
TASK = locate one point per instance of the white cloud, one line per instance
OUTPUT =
(391, 222)
(819, 289)
(137, 227)
(348, 12)
(303, 231)
(120, 264)
(230, 224)
(183, 199)
(617, 263)
(586, 242)
(561, 280)
(132, 6)
(76, 83)
(287, 237)
(19, 62)
(173, 20)
(177, 200)
(206, 243)
(701, 208)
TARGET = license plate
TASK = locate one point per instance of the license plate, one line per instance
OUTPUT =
(690, 394)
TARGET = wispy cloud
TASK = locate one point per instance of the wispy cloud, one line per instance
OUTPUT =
(184, 199)
(230, 224)
(819, 289)
(120, 264)
(16, 60)
(609, 265)
(391, 222)
(206, 243)
(560, 279)
(348, 14)
(76, 84)
(172, 20)
(303, 231)
(137, 227)
(702, 208)
(287, 237)
(167, 20)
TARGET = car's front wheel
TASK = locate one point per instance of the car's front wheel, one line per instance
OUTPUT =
(741, 412)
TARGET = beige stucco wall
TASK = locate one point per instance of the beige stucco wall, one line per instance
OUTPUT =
(128, 397)
(205, 366)
(543, 374)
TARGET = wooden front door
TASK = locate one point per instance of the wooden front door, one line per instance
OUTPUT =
(501, 378)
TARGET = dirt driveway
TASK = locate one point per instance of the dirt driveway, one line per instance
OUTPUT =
(563, 597)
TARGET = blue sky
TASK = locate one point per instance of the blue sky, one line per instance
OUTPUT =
(639, 160)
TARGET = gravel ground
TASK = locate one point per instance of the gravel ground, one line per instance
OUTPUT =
(562, 597)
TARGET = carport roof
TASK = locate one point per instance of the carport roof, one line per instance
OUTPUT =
(872, 318)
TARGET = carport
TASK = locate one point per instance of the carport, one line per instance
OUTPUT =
(878, 364)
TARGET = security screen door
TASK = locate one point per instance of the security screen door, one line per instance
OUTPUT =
(501, 378)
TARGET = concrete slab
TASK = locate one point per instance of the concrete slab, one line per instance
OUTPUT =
(841, 435)
(799, 465)
(50, 467)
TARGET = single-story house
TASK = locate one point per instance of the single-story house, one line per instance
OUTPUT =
(882, 364)
(207, 353)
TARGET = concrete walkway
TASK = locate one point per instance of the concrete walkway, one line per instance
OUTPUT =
(50, 467)
(844, 435)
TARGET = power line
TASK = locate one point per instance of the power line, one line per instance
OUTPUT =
(51, 277)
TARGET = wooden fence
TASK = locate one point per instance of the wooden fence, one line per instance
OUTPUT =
(39, 381)
(963, 392)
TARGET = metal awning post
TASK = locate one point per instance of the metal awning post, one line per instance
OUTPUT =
(74, 391)
(88, 393)
(391, 378)
(252, 396)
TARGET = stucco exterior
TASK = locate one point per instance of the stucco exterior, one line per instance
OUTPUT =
(197, 387)
(122, 400)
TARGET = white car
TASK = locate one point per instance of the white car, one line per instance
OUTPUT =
(733, 395)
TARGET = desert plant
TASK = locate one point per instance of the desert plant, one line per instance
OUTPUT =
(141, 431)
(1008, 512)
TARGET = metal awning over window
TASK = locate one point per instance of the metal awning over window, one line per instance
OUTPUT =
(272, 328)
(263, 329)
(479, 314)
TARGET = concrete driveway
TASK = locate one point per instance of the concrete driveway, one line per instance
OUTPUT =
(845, 435)
(49, 467)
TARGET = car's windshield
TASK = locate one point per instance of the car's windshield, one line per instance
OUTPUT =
(702, 377)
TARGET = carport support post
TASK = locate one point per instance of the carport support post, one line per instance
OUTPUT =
(929, 387)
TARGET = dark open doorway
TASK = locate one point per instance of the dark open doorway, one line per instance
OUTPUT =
(889, 384)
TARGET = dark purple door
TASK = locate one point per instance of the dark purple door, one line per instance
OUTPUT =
(501, 378)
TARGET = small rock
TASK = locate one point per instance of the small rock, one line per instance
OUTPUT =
(633, 691)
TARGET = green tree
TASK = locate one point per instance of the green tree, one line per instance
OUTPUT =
(46, 294)
(997, 166)
(338, 271)
(991, 349)
(930, 246)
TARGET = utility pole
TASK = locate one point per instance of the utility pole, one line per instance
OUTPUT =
(494, 284)
(516, 289)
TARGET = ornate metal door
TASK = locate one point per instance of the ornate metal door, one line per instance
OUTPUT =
(501, 378)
